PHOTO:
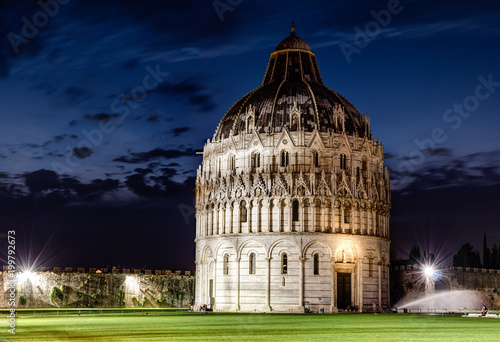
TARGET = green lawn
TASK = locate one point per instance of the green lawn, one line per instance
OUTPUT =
(256, 327)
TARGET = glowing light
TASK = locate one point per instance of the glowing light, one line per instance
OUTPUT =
(132, 284)
(25, 276)
(429, 271)
(130, 281)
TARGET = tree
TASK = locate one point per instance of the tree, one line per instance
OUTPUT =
(394, 257)
(415, 256)
(495, 257)
(467, 257)
(486, 253)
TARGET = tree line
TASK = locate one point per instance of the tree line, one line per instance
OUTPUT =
(468, 257)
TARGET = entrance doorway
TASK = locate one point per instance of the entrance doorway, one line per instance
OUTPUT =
(343, 290)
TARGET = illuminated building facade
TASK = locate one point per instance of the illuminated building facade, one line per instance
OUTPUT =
(292, 199)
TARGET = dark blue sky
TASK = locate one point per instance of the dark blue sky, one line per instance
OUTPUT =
(103, 105)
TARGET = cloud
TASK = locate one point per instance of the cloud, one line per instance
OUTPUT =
(442, 169)
(143, 157)
(101, 116)
(154, 186)
(76, 94)
(191, 90)
(445, 152)
(179, 130)
(40, 180)
(153, 118)
(82, 152)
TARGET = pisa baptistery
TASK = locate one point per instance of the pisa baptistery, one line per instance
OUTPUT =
(292, 199)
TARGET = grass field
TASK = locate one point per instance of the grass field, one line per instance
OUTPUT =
(255, 327)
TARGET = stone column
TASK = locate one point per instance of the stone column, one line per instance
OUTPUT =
(259, 216)
(268, 284)
(249, 216)
(224, 219)
(279, 217)
(289, 228)
(197, 288)
(352, 225)
(333, 292)
(238, 261)
(379, 286)
(323, 224)
(313, 221)
(361, 284)
(301, 281)
(388, 287)
(216, 221)
(342, 213)
(266, 208)
(214, 283)
(238, 219)
(230, 219)
(302, 217)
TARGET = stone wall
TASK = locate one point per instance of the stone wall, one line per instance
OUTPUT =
(103, 290)
(409, 281)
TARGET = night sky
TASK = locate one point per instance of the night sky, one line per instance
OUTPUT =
(104, 104)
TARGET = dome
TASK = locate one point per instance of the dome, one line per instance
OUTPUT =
(293, 42)
(292, 84)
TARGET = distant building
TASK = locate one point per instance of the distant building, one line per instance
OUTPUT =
(293, 200)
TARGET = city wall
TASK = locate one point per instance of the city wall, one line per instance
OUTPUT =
(99, 289)
(409, 281)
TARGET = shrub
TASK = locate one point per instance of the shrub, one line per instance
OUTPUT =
(180, 296)
(79, 295)
(160, 298)
(22, 299)
(55, 292)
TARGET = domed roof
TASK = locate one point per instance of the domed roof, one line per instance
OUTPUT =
(293, 42)
(292, 95)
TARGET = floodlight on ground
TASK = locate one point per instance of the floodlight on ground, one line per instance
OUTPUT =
(25, 276)
(429, 271)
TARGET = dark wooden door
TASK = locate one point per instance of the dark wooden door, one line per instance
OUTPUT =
(343, 290)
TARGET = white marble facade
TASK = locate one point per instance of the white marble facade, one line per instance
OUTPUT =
(294, 216)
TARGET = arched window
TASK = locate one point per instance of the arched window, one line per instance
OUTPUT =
(225, 265)
(284, 264)
(347, 215)
(250, 124)
(364, 164)
(251, 264)
(316, 159)
(232, 163)
(343, 162)
(255, 160)
(295, 211)
(316, 263)
(284, 158)
(295, 122)
(243, 211)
